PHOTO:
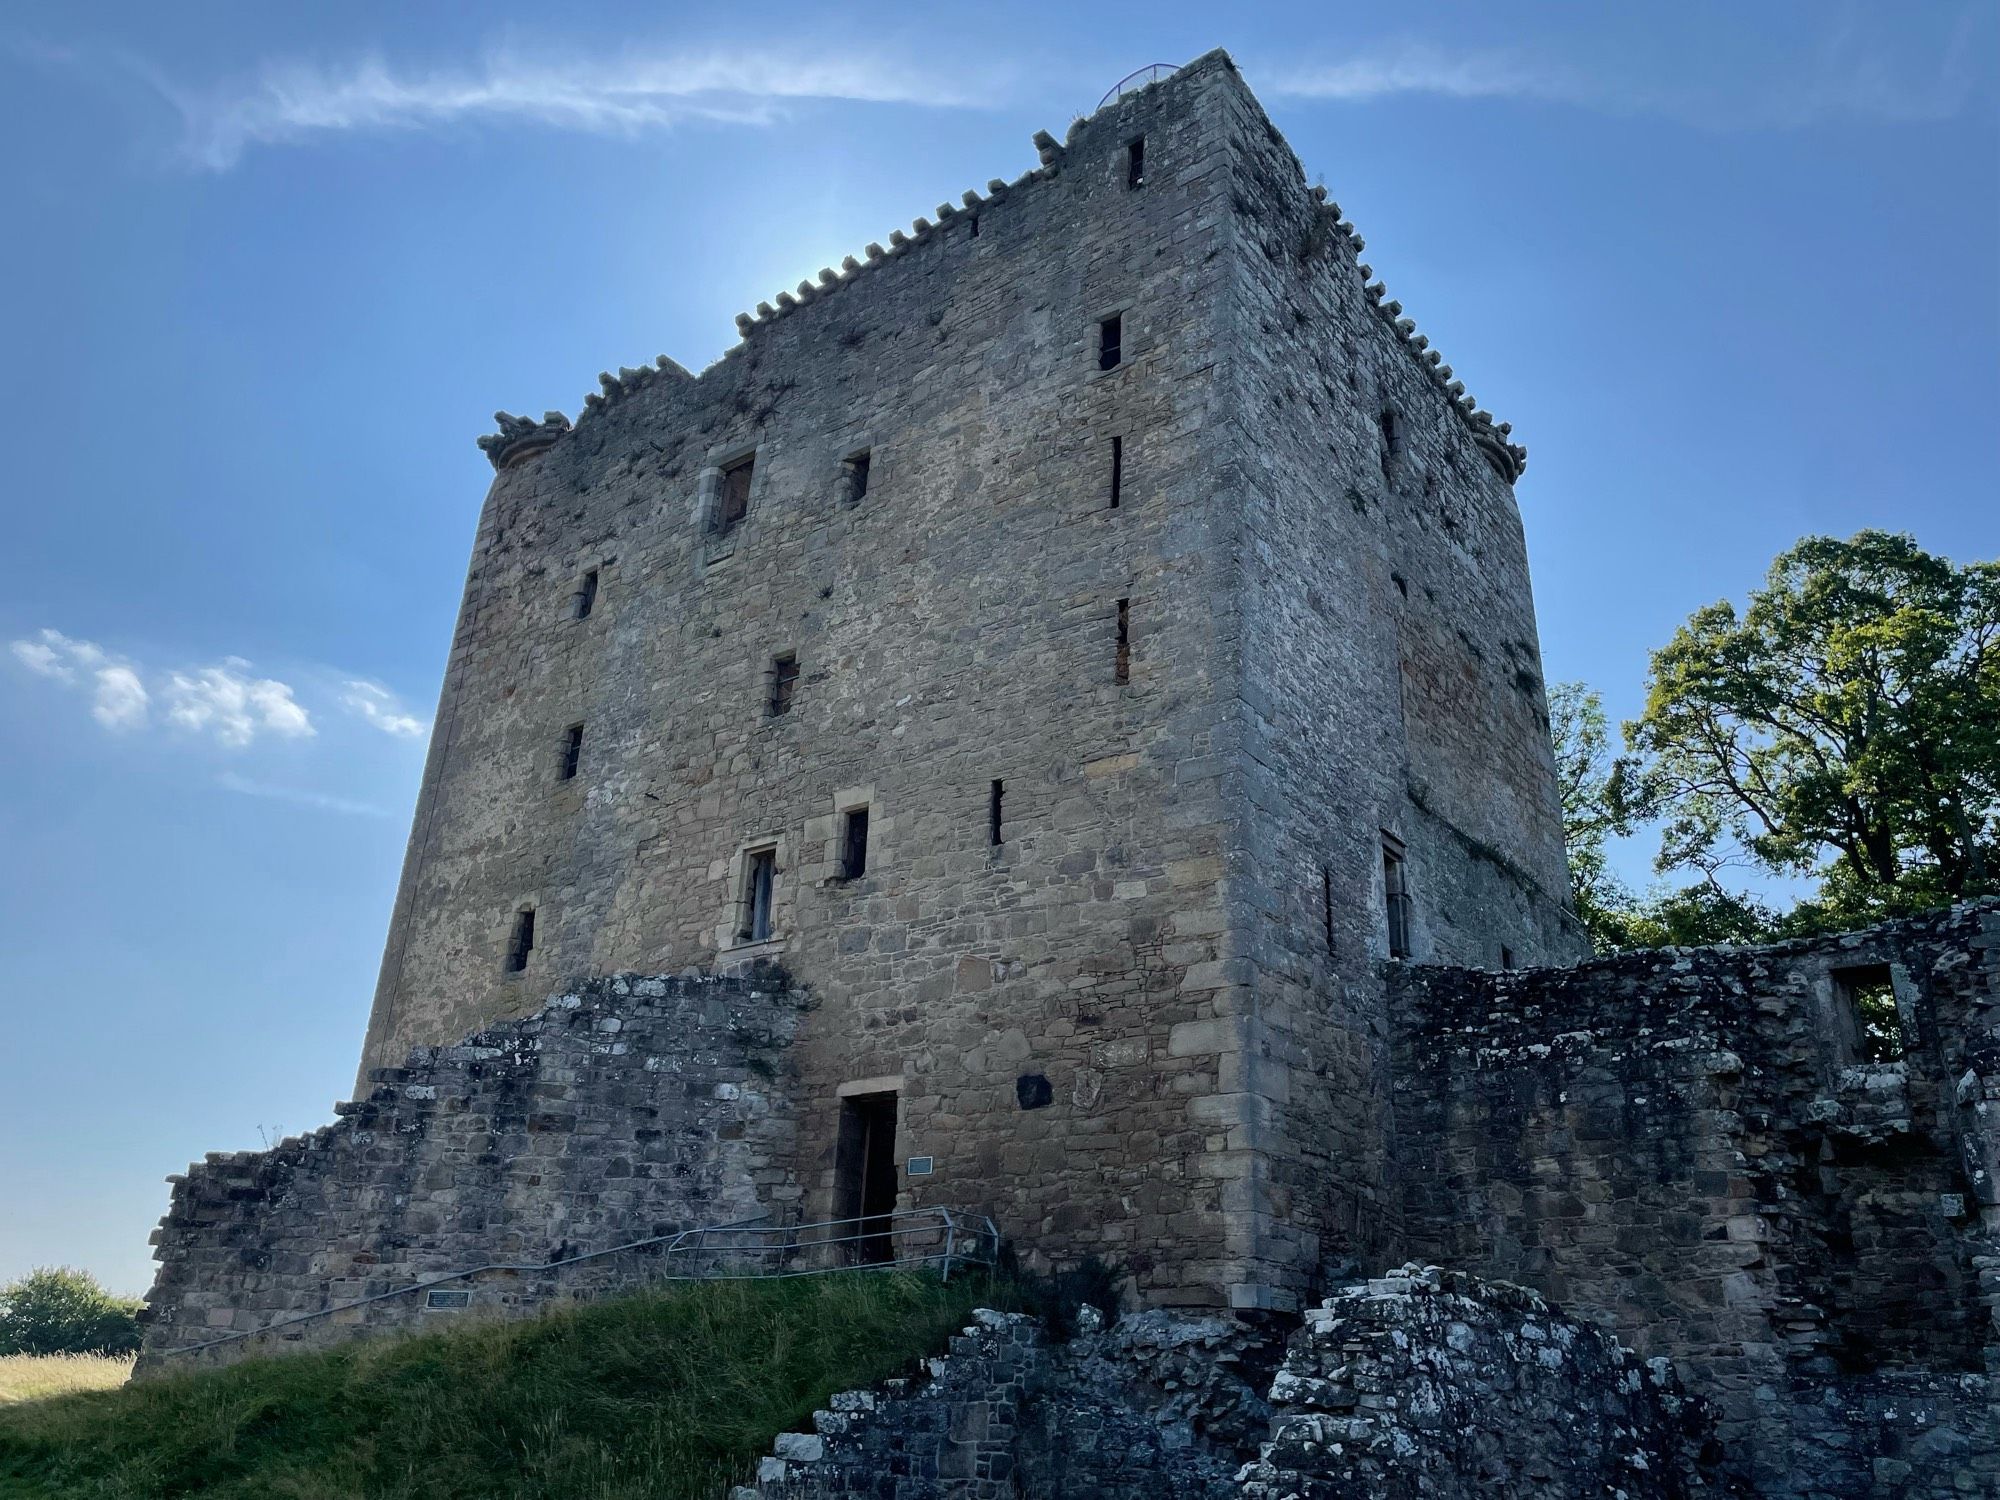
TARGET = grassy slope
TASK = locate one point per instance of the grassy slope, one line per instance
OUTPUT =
(30, 1377)
(666, 1394)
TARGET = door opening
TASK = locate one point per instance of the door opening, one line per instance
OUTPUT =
(865, 1176)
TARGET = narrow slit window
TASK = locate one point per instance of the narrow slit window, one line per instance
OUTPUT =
(1135, 163)
(1396, 898)
(1110, 341)
(522, 940)
(1122, 670)
(732, 499)
(975, 226)
(586, 595)
(760, 884)
(1870, 997)
(1506, 957)
(572, 753)
(1391, 442)
(784, 682)
(855, 468)
(1326, 903)
(1117, 470)
(995, 800)
(854, 844)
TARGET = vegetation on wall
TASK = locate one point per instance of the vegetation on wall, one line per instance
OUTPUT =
(1842, 730)
(669, 1393)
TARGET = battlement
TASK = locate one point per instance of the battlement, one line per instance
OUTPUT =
(1492, 439)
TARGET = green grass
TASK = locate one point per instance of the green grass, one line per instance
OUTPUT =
(31, 1377)
(666, 1394)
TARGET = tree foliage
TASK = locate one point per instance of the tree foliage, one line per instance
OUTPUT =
(56, 1310)
(1844, 726)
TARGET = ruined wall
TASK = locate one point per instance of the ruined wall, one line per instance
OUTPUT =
(1691, 1146)
(624, 1109)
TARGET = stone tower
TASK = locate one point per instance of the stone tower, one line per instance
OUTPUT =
(1082, 642)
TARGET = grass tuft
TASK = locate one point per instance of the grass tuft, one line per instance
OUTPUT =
(665, 1394)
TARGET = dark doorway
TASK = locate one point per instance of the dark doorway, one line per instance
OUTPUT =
(865, 1176)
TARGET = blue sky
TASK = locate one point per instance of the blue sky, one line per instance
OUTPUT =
(1732, 272)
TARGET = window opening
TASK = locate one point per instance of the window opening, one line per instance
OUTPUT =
(1110, 341)
(733, 493)
(760, 880)
(854, 844)
(522, 942)
(1870, 998)
(975, 226)
(1326, 903)
(1391, 442)
(1122, 670)
(1396, 896)
(993, 810)
(1506, 957)
(586, 595)
(856, 467)
(1135, 163)
(572, 752)
(1117, 469)
(784, 681)
(864, 1177)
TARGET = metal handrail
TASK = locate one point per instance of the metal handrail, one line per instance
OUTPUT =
(1152, 72)
(968, 1239)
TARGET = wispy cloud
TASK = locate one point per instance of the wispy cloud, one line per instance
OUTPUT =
(289, 103)
(1851, 70)
(223, 702)
(229, 781)
(119, 700)
(376, 705)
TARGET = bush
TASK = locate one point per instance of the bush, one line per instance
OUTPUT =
(57, 1310)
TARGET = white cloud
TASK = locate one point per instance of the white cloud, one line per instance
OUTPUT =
(118, 698)
(232, 706)
(378, 706)
(223, 702)
(231, 782)
(289, 103)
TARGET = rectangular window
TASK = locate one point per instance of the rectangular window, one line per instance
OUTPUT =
(732, 493)
(522, 941)
(1506, 957)
(1869, 995)
(1117, 469)
(993, 811)
(1135, 163)
(1122, 669)
(586, 595)
(1391, 442)
(784, 680)
(855, 469)
(854, 844)
(760, 881)
(1326, 903)
(975, 226)
(572, 752)
(1110, 341)
(1396, 897)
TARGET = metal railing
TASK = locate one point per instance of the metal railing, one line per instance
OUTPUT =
(742, 1250)
(1139, 78)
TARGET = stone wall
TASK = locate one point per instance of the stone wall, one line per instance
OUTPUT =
(1690, 1146)
(1425, 1383)
(626, 1108)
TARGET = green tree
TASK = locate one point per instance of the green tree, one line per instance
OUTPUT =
(56, 1310)
(1593, 809)
(1845, 725)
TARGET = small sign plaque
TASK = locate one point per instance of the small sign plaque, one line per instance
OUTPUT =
(920, 1166)
(447, 1301)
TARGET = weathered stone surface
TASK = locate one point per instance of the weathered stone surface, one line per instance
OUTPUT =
(624, 1109)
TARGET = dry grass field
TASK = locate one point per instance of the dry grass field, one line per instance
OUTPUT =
(29, 1377)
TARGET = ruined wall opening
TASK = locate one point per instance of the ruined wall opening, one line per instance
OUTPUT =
(864, 1176)
(1866, 995)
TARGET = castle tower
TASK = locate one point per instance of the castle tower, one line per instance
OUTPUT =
(1083, 642)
